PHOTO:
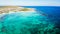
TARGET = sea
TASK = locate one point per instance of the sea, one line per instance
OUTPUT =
(16, 24)
(52, 11)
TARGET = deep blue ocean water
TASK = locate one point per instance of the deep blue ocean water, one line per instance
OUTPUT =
(52, 11)
(45, 20)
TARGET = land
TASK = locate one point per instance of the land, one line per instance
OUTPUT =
(7, 9)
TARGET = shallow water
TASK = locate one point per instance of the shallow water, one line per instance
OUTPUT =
(27, 23)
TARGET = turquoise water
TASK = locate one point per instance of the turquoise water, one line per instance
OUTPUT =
(52, 11)
(27, 23)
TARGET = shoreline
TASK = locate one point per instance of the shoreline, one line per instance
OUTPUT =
(7, 9)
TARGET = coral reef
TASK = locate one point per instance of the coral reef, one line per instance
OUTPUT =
(26, 23)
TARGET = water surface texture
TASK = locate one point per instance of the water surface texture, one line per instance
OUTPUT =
(45, 20)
